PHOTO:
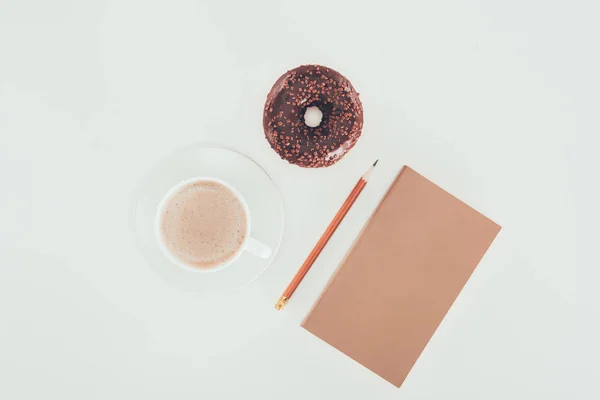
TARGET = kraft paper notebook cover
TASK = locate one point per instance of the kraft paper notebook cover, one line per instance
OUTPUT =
(401, 276)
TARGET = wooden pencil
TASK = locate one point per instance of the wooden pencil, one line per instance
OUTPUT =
(287, 294)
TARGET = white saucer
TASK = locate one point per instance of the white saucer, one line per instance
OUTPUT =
(242, 173)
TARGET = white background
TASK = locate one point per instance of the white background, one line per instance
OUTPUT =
(496, 101)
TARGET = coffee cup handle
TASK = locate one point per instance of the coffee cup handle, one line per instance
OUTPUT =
(257, 248)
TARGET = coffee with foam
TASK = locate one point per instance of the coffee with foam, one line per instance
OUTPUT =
(203, 224)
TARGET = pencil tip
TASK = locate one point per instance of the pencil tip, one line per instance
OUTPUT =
(376, 161)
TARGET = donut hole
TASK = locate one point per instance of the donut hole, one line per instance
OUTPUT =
(313, 116)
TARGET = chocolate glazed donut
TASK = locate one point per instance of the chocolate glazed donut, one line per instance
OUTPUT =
(284, 116)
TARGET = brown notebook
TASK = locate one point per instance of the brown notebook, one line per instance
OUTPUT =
(401, 276)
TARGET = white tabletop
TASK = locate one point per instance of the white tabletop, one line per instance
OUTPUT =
(497, 102)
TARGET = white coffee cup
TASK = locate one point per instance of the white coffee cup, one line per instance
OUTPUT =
(250, 244)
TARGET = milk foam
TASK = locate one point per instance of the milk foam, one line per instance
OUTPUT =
(203, 224)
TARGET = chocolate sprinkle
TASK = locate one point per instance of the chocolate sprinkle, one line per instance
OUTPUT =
(283, 117)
